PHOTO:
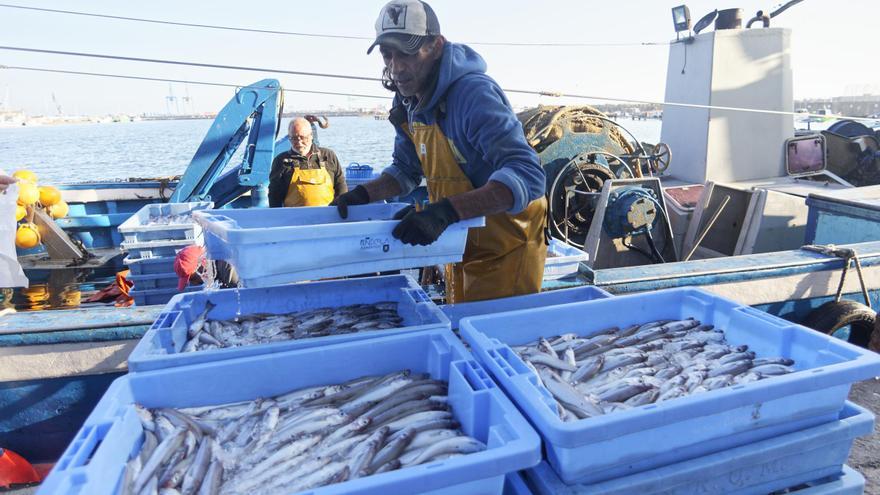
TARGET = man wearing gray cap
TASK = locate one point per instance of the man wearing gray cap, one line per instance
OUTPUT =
(456, 129)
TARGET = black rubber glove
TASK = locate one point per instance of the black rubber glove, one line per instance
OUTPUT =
(420, 228)
(357, 196)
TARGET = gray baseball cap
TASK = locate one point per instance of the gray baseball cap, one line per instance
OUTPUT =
(405, 24)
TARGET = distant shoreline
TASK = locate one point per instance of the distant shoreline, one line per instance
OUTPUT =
(21, 120)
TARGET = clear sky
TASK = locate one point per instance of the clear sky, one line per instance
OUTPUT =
(834, 48)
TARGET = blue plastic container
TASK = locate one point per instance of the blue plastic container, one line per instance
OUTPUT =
(851, 482)
(152, 297)
(154, 281)
(456, 312)
(655, 435)
(137, 229)
(565, 261)
(358, 171)
(281, 245)
(757, 468)
(515, 484)
(149, 266)
(160, 347)
(94, 461)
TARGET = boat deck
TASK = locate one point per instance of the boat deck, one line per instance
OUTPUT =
(32, 322)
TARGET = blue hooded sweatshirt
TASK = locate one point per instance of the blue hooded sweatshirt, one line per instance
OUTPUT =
(479, 121)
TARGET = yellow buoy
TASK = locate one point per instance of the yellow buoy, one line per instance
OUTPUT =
(49, 195)
(59, 209)
(27, 236)
(20, 212)
(28, 193)
(25, 175)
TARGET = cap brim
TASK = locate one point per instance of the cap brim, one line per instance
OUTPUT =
(406, 43)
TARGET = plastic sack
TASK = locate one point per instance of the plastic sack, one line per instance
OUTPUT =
(11, 274)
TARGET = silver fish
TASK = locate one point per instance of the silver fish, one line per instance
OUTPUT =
(298, 440)
(616, 369)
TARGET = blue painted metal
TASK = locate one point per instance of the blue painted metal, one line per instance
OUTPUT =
(202, 180)
(841, 221)
(797, 310)
(39, 418)
(74, 336)
(723, 270)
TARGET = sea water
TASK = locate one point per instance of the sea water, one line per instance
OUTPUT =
(87, 152)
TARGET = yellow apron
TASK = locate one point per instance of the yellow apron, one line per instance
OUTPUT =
(504, 258)
(309, 187)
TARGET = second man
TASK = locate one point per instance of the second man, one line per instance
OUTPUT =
(307, 175)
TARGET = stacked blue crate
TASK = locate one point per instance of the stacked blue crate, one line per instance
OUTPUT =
(94, 461)
(357, 174)
(152, 246)
(797, 424)
(778, 463)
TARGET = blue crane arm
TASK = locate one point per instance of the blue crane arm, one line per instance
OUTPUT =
(254, 113)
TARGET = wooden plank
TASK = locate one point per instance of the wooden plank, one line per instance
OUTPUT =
(693, 228)
(77, 319)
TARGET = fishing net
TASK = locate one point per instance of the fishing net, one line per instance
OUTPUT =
(544, 125)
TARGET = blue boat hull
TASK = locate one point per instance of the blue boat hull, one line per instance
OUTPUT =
(38, 418)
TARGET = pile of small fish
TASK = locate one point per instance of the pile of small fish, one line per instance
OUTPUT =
(616, 369)
(303, 439)
(179, 219)
(206, 334)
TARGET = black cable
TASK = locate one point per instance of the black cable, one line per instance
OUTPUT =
(184, 81)
(190, 64)
(316, 35)
(653, 247)
(638, 250)
(375, 79)
(785, 7)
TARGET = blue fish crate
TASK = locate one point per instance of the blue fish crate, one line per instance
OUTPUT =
(562, 260)
(160, 347)
(515, 484)
(851, 482)
(654, 435)
(779, 463)
(155, 249)
(281, 245)
(167, 280)
(94, 461)
(455, 312)
(138, 228)
(152, 297)
(149, 266)
(358, 171)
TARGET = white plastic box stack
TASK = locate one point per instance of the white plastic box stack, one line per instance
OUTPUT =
(152, 237)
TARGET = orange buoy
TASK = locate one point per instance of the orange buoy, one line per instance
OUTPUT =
(28, 193)
(49, 195)
(27, 236)
(20, 212)
(59, 209)
(25, 175)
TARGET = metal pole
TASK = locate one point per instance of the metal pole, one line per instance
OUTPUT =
(708, 226)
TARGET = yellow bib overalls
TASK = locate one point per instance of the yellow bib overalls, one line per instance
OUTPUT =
(309, 187)
(504, 258)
